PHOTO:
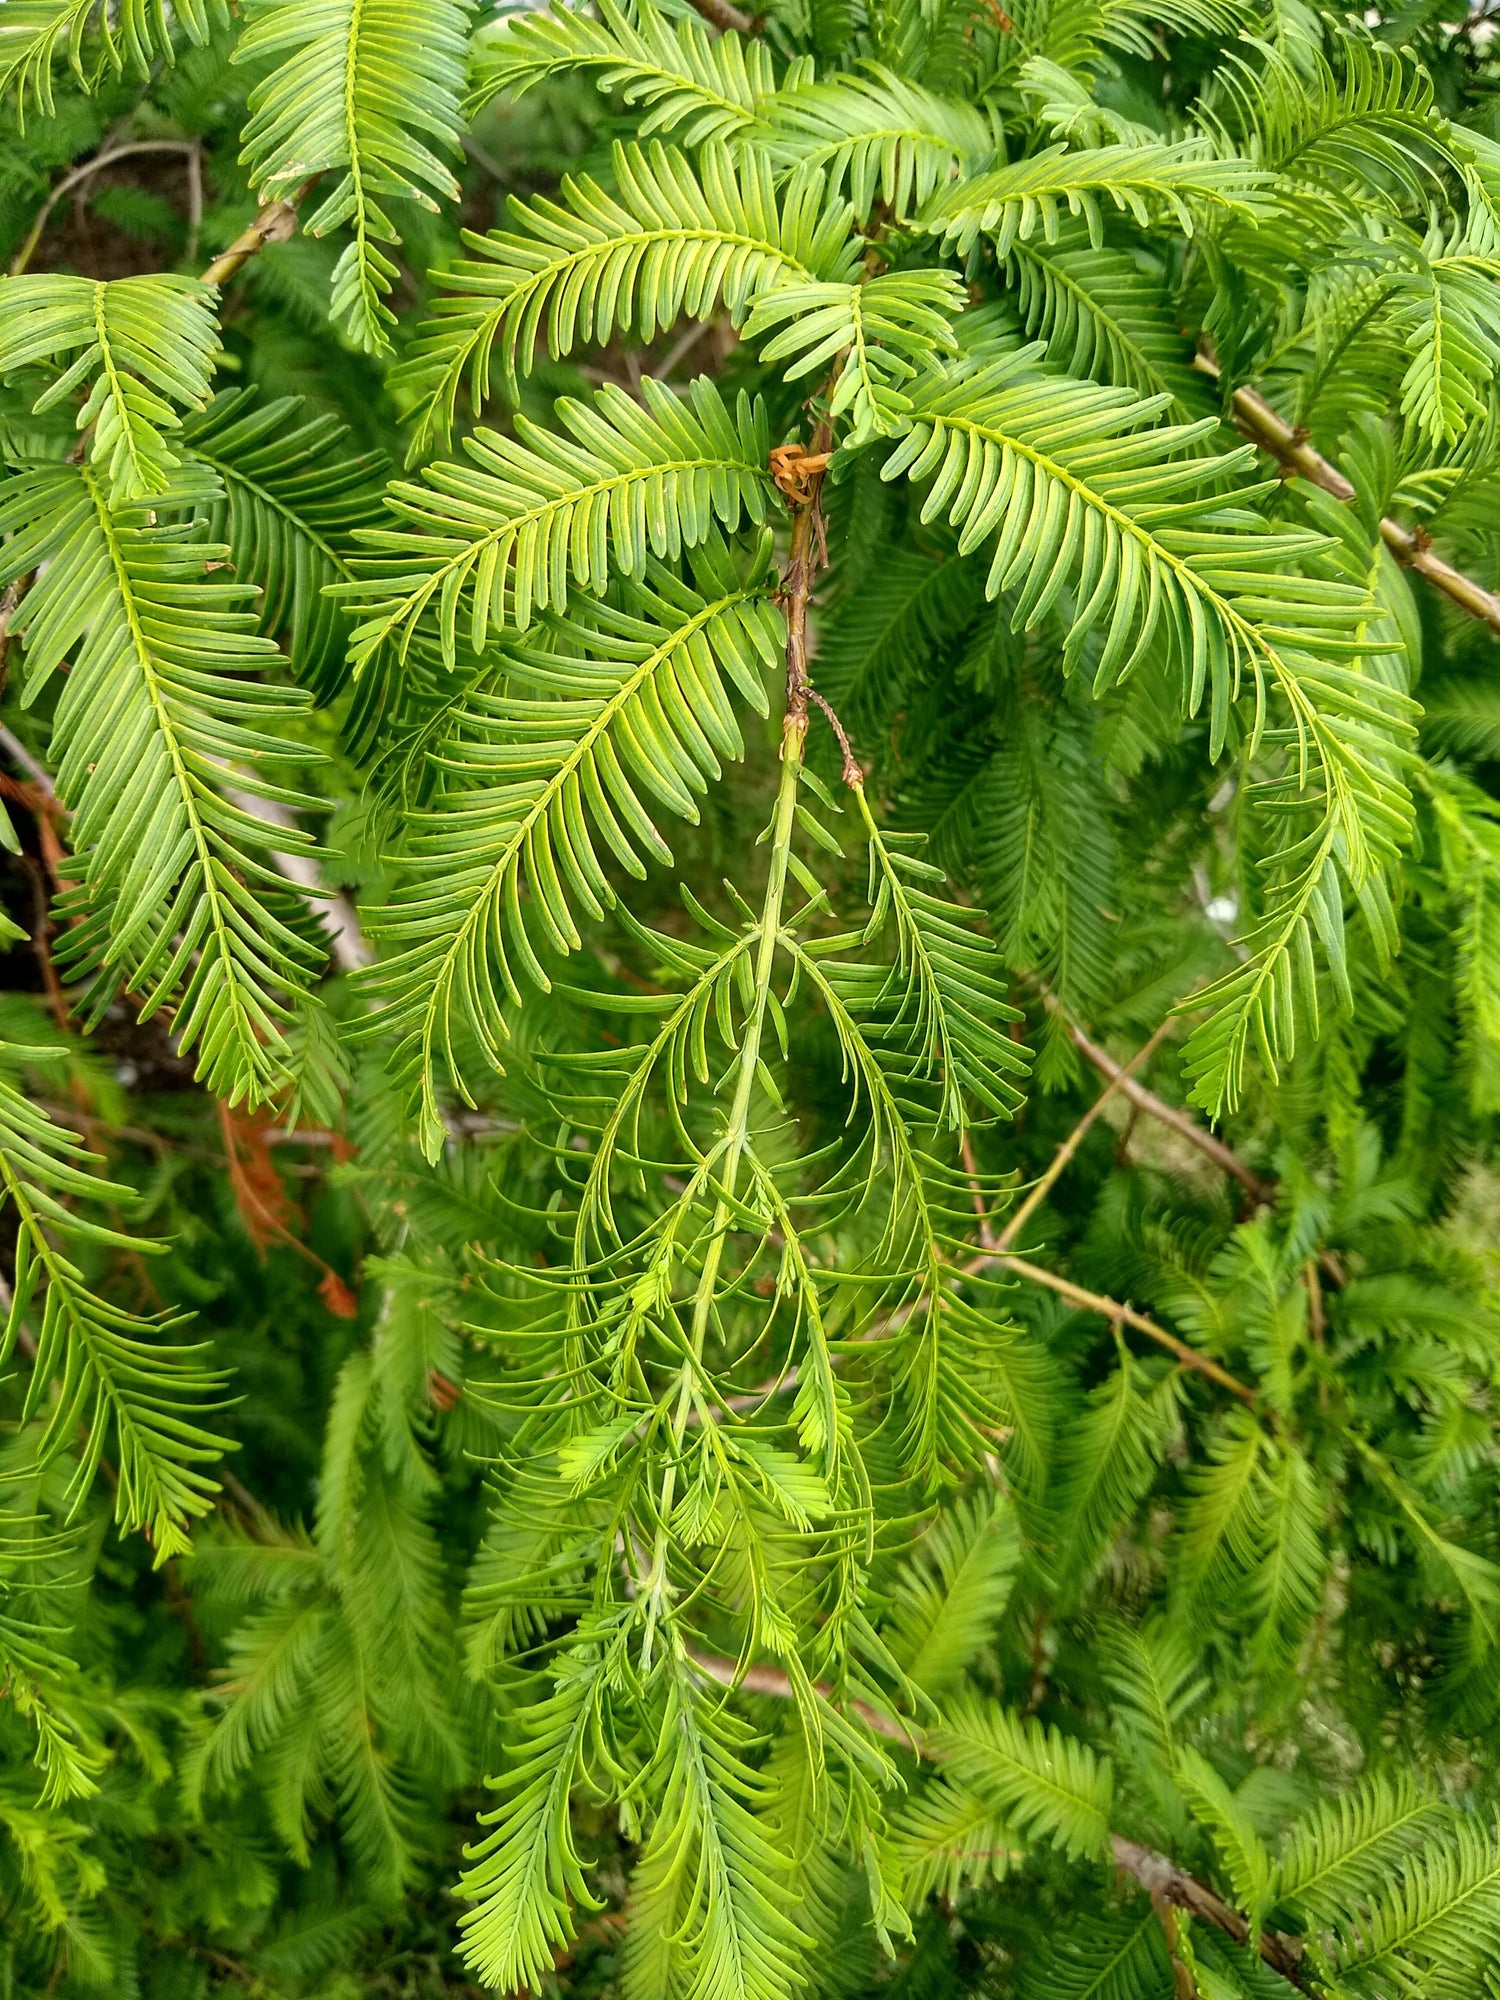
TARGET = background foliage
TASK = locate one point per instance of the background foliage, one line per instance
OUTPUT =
(606, 1387)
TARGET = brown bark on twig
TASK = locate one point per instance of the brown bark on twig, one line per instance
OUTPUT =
(1254, 416)
(721, 15)
(1157, 1874)
(1112, 1309)
(1119, 1079)
(276, 223)
(1167, 1114)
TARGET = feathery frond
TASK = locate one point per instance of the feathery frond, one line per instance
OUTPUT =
(951, 1590)
(97, 40)
(368, 90)
(623, 700)
(144, 347)
(1010, 204)
(131, 1390)
(164, 693)
(675, 237)
(880, 136)
(1049, 1786)
(289, 513)
(532, 517)
(699, 86)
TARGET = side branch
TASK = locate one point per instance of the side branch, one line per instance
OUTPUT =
(1157, 1873)
(1254, 416)
(1119, 1079)
(722, 15)
(275, 223)
(1113, 1309)
(1166, 1114)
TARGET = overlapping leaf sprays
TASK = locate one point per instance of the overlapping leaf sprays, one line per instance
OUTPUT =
(897, 637)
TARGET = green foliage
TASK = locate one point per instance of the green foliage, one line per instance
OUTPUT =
(159, 701)
(115, 1376)
(142, 345)
(596, 1396)
(97, 41)
(635, 265)
(367, 90)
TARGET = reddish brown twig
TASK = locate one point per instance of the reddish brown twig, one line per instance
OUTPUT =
(722, 15)
(1254, 416)
(1157, 1874)
(1119, 1079)
(1113, 1309)
(1166, 1114)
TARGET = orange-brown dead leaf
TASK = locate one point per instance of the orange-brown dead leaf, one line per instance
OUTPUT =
(337, 1296)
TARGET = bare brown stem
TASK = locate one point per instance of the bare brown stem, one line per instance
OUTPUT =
(1157, 1874)
(1166, 1114)
(1113, 1309)
(276, 223)
(1118, 1080)
(726, 18)
(86, 169)
(1254, 416)
(799, 476)
(852, 773)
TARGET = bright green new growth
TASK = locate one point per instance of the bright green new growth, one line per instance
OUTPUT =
(876, 1516)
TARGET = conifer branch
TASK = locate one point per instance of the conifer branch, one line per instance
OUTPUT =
(721, 14)
(1181, 1122)
(1119, 1079)
(997, 1252)
(275, 222)
(1121, 1315)
(1157, 1873)
(1254, 416)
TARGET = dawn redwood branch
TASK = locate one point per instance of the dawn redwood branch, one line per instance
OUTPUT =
(1166, 1114)
(275, 223)
(1113, 1309)
(1157, 1874)
(1256, 1185)
(1165, 1882)
(1254, 416)
(187, 148)
(1119, 1079)
(722, 15)
(997, 1251)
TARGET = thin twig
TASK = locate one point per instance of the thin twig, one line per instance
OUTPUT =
(276, 223)
(1260, 423)
(678, 352)
(1157, 1873)
(85, 171)
(853, 775)
(1261, 1189)
(1119, 1080)
(19, 755)
(1166, 1114)
(195, 200)
(1113, 1309)
(997, 1249)
(1078, 1296)
(721, 15)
